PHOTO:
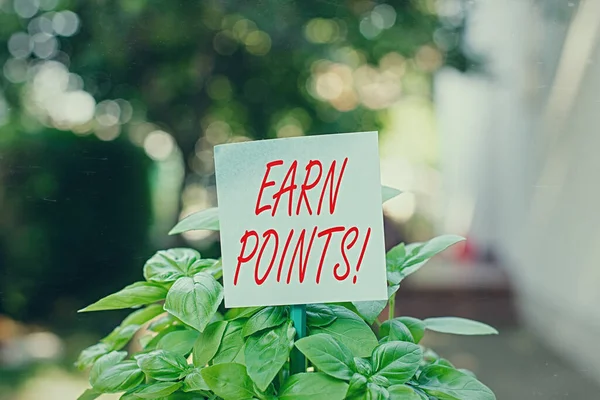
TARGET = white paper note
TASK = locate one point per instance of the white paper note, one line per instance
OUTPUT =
(301, 220)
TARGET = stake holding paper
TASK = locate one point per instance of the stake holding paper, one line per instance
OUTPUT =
(301, 220)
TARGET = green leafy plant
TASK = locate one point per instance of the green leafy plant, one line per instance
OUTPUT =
(191, 347)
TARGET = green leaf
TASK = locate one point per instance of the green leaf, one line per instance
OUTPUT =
(120, 336)
(430, 356)
(394, 273)
(157, 390)
(89, 394)
(213, 267)
(88, 356)
(376, 392)
(229, 381)
(266, 353)
(135, 295)
(422, 252)
(191, 396)
(328, 355)
(202, 220)
(459, 326)
(118, 378)
(350, 330)
(207, 344)
(391, 290)
(397, 361)
(369, 310)
(268, 317)
(150, 344)
(218, 317)
(163, 322)
(162, 365)
(388, 193)
(194, 381)
(446, 383)
(468, 372)
(129, 395)
(232, 344)
(144, 340)
(431, 248)
(363, 366)
(143, 315)
(105, 362)
(312, 386)
(395, 330)
(395, 257)
(402, 260)
(380, 380)
(403, 392)
(357, 387)
(169, 265)
(319, 315)
(415, 326)
(444, 362)
(243, 312)
(179, 342)
(195, 300)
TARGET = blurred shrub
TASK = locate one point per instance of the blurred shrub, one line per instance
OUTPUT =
(73, 222)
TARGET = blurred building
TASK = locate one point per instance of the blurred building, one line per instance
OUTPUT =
(520, 142)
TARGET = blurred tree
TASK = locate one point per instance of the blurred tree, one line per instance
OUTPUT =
(177, 77)
(69, 231)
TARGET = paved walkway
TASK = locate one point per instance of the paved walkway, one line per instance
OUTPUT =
(516, 366)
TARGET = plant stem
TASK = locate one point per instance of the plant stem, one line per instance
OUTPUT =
(297, 359)
(392, 306)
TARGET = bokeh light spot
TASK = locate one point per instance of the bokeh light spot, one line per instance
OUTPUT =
(44, 45)
(289, 130)
(65, 23)
(20, 45)
(258, 43)
(42, 23)
(15, 70)
(26, 8)
(224, 43)
(384, 16)
(393, 63)
(329, 85)
(78, 108)
(371, 27)
(321, 30)
(45, 345)
(108, 113)
(377, 89)
(126, 111)
(217, 132)
(75, 82)
(48, 5)
(108, 133)
(219, 88)
(159, 145)
(242, 28)
(428, 58)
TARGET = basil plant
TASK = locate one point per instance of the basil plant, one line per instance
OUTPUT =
(184, 345)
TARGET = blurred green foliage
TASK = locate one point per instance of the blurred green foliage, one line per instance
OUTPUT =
(75, 210)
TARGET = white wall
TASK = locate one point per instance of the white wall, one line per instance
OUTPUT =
(522, 144)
